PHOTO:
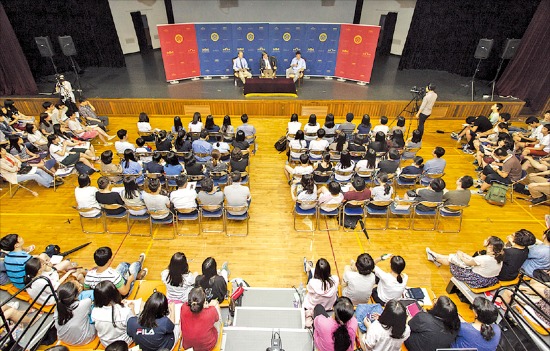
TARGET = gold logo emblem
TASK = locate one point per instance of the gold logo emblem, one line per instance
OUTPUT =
(214, 37)
(322, 37)
(250, 36)
(286, 36)
(357, 39)
(178, 38)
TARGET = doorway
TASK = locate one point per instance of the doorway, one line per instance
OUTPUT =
(141, 26)
(387, 28)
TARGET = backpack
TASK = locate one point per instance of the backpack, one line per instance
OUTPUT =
(496, 195)
(281, 144)
(81, 168)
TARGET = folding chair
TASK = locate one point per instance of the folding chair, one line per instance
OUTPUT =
(232, 213)
(167, 219)
(427, 178)
(251, 139)
(409, 153)
(211, 212)
(305, 209)
(228, 136)
(136, 218)
(341, 173)
(245, 179)
(334, 156)
(353, 208)
(82, 211)
(196, 178)
(106, 216)
(187, 214)
(219, 178)
(114, 177)
(14, 187)
(170, 181)
(511, 185)
(159, 176)
(296, 159)
(318, 174)
(329, 210)
(450, 211)
(367, 175)
(408, 180)
(402, 207)
(381, 209)
(315, 155)
(430, 210)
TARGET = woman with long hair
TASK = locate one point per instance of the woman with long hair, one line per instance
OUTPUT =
(39, 289)
(46, 124)
(23, 154)
(14, 171)
(479, 271)
(195, 126)
(306, 190)
(211, 127)
(311, 127)
(178, 279)
(293, 125)
(396, 139)
(132, 197)
(107, 166)
(336, 333)
(178, 126)
(109, 315)
(383, 191)
(227, 129)
(237, 161)
(330, 128)
(213, 284)
(435, 329)
(130, 165)
(35, 137)
(72, 316)
(154, 328)
(483, 333)
(182, 142)
(365, 126)
(215, 164)
(415, 141)
(200, 321)
(324, 166)
(391, 285)
(379, 144)
(368, 163)
(340, 143)
(143, 126)
(322, 288)
(84, 147)
(389, 330)
(298, 143)
(240, 142)
(63, 153)
(346, 164)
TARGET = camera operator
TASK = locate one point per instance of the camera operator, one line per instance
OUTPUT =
(425, 109)
(65, 90)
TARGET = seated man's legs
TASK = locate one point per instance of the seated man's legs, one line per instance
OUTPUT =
(538, 165)
(288, 72)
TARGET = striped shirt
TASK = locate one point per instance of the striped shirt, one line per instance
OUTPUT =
(15, 267)
(93, 278)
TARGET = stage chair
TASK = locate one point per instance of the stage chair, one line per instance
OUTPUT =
(408, 180)
(229, 214)
(107, 216)
(82, 218)
(333, 210)
(511, 185)
(169, 220)
(450, 211)
(137, 218)
(327, 174)
(15, 186)
(382, 211)
(432, 210)
(353, 208)
(300, 77)
(430, 177)
(187, 214)
(300, 211)
(213, 212)
(402, 207)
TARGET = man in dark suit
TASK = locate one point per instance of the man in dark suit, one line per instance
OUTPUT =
(268, 66)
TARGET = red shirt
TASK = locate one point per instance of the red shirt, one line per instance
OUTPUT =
(357, 195)
(197, 329)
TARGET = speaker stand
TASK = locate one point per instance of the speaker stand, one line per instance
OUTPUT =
(54, 66)
(474, 77)
(79, 90)
(493, 82)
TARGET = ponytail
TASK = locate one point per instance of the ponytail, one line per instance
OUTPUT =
(387, 188)
(399, 279)
(343, 312)
(487, 331)
(342, 341)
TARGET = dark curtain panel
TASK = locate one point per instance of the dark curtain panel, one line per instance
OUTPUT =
(89, 23)
(444, 34)
(528, 74)
(15, 74)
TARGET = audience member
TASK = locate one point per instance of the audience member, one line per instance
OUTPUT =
(294, 125)
(85, 197)
(108, 167)
(390, 165)
(319, 144)
(336, 332)
(236, 194)
(209, 195)
(88, 112)
(368, 163)
(344, 169)
(144, 127)
(123, 144)
(72, 315)
(155, 202)
(14, 171)
(195, 126)
(200, 321)
(306, 190)
(484, 333)
(390, 285)
(107, 197)
(399, 125)
(248, 129)
(298, 171)
(330, 196)
(310, 129)
(322, 288)
(178, 279)
(397, 140)
(542, 147)
(381, 192)
(330, 128)
(184, 197)
(359, 279)
(154, 166)
(358, 190)
(118, 345)
(347, 127)
(379, 144)
(538, 257)
(130, 166)
(193, 167)
(182, 142)
(414, 142)
(202, 148)
(213, 283)
(227, 129)
(382, 127)
(365, 126)
(505, 169)
(389, 330)
(340, 143)
(215, 164)
(240, 142)
(322, 167)
(432, 193)
(461, 195)
(297, 144)
(515, 254)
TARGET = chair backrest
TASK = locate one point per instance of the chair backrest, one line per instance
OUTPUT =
(153, 175)
(214, 134)
(218, 174)
(228, 135)
(183, 154)
(165, 212)
(85, 209)
(195, 178)
(453, 208)
(111, 206)
(355, 203)
(185, 210)
(318, 153)
(232, 209)
(343, 173)
(323, 174)
(306, 203)
(330, 207)
(381, 203)
(250, 137)
(298, 150)
(212, 208)
(402, 202)
(434, 175)
(360, 154)
(430, 204)
(365, 173)
(202, 154)
(141, 155)
(291, 136)
(136, 208)
(145, 133)
(314, 135)
(410, 176)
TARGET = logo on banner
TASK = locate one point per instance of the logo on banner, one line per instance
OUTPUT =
(286, 36)
(357, 39)
(275, 49)
(323, 37)
(178, 38)
(205, 50)
(310, 50)
(170, 53)
(214, 36)
(226, 50)
(250, 36)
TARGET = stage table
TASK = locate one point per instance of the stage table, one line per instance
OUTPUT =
(270, 87)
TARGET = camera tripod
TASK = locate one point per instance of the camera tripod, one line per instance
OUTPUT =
(412, 108)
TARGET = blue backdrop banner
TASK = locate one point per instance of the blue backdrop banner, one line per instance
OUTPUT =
(284, 40)
(215, 43)
(252, 38)
(321, 48)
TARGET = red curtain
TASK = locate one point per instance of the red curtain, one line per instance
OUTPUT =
(15, 75)
(527, 76)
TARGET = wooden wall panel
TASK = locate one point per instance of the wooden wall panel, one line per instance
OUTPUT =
(274, 108)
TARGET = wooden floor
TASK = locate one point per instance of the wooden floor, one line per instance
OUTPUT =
(272, 254)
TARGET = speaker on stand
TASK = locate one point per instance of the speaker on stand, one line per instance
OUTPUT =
(508, 53)
(483, 50)
(45, 47)
(69, 50)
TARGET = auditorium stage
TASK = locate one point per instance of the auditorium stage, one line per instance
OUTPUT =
(143, 77)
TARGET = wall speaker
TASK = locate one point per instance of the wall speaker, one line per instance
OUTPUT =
(483, 49)
(227, 4)
(67, 45)
(509, 49)
(44, 46)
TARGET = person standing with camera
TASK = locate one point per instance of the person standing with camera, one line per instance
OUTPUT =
(65, 90)
(425, 109)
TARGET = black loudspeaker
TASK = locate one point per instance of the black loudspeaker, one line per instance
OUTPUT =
(509, 49)
(67, 45)
(44, 46)
(483, 49)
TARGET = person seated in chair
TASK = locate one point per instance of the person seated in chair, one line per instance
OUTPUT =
(461, 196)
(105, 196)
(506, 169)
(390, 166)
(297, 67)
(268, 66)
(240, 67)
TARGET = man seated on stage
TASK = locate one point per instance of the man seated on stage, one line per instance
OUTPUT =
(297, 67)
(268, 66)
(240, 66)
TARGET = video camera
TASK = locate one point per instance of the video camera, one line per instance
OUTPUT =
(418, 91)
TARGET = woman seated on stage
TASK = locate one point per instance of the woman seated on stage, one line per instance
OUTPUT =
(478, 272)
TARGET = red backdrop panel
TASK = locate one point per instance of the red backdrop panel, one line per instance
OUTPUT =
(356, 51)
(180, 54)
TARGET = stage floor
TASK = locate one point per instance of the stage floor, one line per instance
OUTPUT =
(143, 77)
